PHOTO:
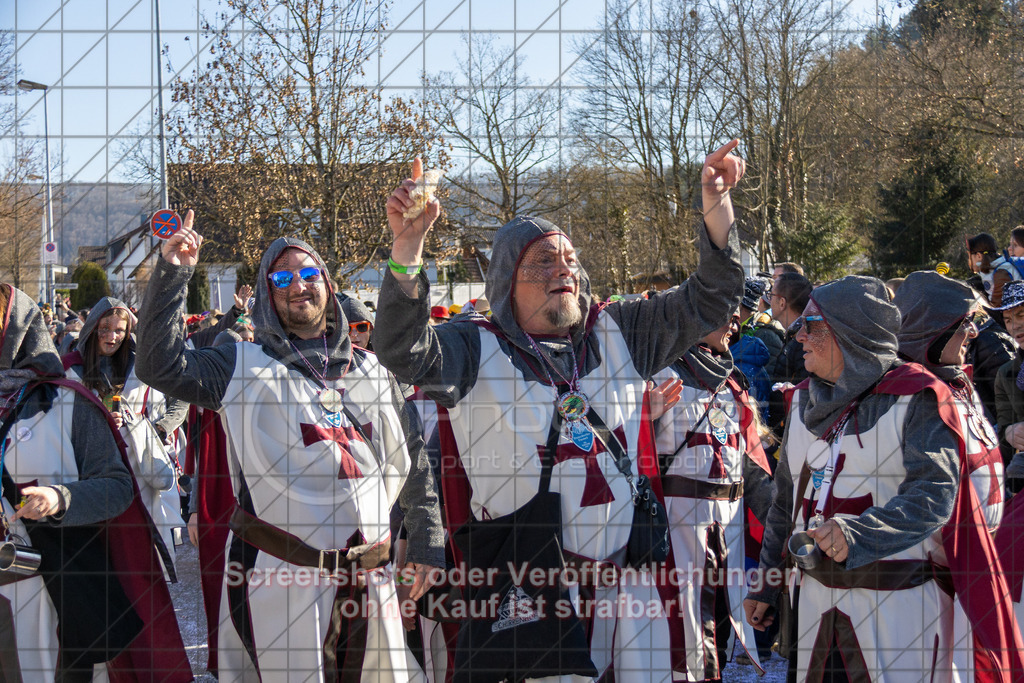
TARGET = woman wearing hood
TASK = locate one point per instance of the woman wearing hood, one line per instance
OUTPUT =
(712, 462)
(68, 493)
(877, 449)
(938, 323)
(104, 361)
(315, 454)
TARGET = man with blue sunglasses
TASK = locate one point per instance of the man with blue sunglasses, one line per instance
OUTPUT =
(316, 455)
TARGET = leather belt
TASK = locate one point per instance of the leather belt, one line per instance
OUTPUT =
(676, 486)
(883, 575)
(294, 550)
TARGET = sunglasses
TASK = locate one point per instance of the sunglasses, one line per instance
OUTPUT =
(362, 326)
(975, 319)
(810, 323)
(282, 279)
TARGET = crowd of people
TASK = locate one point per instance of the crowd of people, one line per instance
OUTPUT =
(537, 485)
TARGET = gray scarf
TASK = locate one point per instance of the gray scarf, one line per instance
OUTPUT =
(703, 368)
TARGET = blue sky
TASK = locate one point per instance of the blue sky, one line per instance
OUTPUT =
(100, 56)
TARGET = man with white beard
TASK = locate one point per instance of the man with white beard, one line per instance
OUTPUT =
(550, 379)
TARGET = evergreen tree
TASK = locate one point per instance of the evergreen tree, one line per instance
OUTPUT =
(969, 18)
(925, 204)
(198, 298)
(92, 285)
(827, 245)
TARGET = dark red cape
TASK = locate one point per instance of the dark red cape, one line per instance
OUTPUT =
(970, 550)
(157, 653)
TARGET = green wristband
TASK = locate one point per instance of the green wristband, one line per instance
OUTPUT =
(405, 270)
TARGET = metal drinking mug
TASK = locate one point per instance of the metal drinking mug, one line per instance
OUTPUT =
(19, 559)
(805, 551)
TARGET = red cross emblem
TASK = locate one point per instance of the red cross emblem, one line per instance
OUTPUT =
(348, 468)
(732, 441)
(595, 489)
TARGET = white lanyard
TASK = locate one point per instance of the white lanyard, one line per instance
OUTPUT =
(826, 483)
(828, 474)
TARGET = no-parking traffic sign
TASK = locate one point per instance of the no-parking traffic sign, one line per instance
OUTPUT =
(165, 223)
(50, 254)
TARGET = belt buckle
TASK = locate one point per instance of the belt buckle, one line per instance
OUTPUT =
(734, 490)
(324, 554)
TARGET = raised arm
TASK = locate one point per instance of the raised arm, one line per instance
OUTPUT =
(722, 170)
(442, 361)
(162, 361)
(660, 329)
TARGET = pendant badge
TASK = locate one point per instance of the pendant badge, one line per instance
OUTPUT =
(582, 435)
(720, 435)
(716, 417)
(573, 406)
(817, 476)
(330, 400)
(817, 454)
(981, 429)
(333, 418)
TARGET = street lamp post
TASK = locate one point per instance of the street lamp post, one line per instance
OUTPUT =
(164, 203)
(47, 269)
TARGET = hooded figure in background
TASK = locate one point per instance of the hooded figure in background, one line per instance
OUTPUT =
(543, 407)
(877, 447)
(104, 361)
(360, 321)
(713, 468)
(314, 455)
(938, 316)
(938, 325)
(99, 597)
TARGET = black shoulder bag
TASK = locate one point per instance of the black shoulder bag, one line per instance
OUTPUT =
(648, 539)
(526, 629)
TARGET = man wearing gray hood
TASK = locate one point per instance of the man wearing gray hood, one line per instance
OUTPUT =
(877, 445)
(317, 453)
(549, 380)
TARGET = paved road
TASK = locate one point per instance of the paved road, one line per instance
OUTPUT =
(188, 604)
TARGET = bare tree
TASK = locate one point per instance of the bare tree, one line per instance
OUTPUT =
(640, 119)
(21, 196)
(504, 126)
(769, 60)
(282, 125)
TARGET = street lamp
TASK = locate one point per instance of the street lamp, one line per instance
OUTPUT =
(32, 85)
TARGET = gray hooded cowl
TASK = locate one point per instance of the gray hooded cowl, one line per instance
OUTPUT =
(103, 488)
(355, 310)
(25, 343)
(510, 244)
(96, 313)
(930, 306)
(271, 335)
(88, 335)
(865, 324)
